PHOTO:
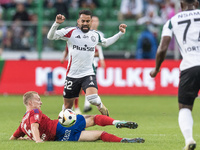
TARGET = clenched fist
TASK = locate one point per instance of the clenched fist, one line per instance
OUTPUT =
(60, 18)
(122, 28)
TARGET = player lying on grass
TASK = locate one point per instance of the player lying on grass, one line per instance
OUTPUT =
(38, 127)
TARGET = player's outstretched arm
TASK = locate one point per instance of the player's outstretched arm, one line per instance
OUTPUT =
(160, 55)
(113, 39)
(52, 32)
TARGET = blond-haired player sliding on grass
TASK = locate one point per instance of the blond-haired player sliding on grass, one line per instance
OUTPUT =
(38, 127)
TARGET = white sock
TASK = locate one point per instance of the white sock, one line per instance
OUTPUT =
(115, 121)
(186, 124)
(87, 103)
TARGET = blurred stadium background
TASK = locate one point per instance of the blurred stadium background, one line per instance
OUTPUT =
(42, 14)
(24, 25)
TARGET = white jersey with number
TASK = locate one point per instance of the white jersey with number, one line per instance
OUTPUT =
(81, 48)
(186, 28)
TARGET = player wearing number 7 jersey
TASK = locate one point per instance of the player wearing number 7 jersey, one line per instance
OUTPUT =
(186, 28)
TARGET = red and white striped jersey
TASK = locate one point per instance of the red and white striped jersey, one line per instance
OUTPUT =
(81, 48)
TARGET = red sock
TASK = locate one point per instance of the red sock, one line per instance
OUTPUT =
(106, 137)
(103, 120)
(76, 103)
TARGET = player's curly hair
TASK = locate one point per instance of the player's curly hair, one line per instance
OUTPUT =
(85, 12)
(27, 96)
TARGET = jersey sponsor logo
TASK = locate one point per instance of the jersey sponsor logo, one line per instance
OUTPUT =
(78, 36)
(93, 38)
(86, 48)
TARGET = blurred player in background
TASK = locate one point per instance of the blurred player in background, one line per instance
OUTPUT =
(81, 43)
(38, 127)
(185, 26)
(98, 57)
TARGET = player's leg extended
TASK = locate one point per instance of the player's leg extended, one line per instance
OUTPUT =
(98, 135)
(189, 86)
(90, 136)
(106, 137)
(185, 120)
(94, 99)
(103, 120)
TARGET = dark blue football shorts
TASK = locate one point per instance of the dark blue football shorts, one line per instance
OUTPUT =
(71, 133)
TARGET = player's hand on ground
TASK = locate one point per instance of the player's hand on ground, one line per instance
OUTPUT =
(154, 72)
(60, 18)
(122, 28)
(24, 138)
(39, 141)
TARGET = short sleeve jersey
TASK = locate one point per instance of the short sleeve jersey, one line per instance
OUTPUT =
(186, 28)
(47, 127)
(81, 48)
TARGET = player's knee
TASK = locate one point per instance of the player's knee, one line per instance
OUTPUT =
(90, 120)
(94, 99)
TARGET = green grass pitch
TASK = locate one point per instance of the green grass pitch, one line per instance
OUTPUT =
(156, 116)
